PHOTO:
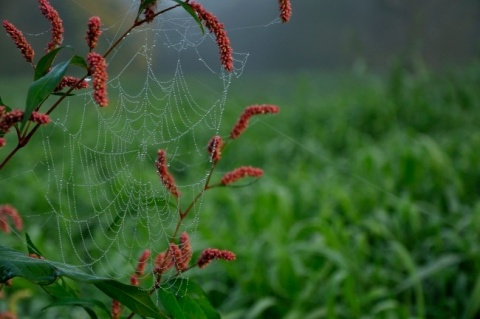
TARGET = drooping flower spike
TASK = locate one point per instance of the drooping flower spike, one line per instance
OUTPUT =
(9, 212)
(165, 176)
(218, 29)
(19, 40)
(250, 111)
(56, 24)
(210, 254)
(239, 173)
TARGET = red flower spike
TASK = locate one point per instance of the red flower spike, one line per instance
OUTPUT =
(11, 212)
(9, 119)
(142, 262)
(71, 81)
(165, 176)
(240, 173)
(218, 29)
(93, 32)
(56, 24)
(285, 10)
(116, 309)
(98, 69)
(161, 265)
(215, 148)
(186, 252)
(210, 254)
(7, 314)
(250, 111)
(134, 280)
(176, 255)
(3, 142)
(40, 118)
(19, 40)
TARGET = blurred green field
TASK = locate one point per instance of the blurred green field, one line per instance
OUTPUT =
(369, 207)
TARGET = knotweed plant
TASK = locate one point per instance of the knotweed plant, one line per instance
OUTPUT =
(51, 78)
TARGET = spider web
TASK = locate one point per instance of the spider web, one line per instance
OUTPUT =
(106, 201)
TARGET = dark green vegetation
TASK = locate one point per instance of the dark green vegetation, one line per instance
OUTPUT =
(369, 207)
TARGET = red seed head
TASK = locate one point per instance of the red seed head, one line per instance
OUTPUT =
(210, 254)
(165, 176)
(19, 40)
(218, 29)
(98, 69)
(250, 111)
(285, 10)
(239, 173)
(8, 211)
(93, 32)
(56, 24)
(215, 148)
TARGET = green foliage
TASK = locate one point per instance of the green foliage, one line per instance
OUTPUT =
(184, 299)
(44, 272)
(369, 206)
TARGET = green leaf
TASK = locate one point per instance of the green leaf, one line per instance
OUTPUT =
(31, 247)
(86, 304)
(79, 61)
(191, 12)
(136, 299)
(45, 63)
(16, 264)
(3, 103)
(60, 289)
(43, 87)
(184, 299)
(44, 272)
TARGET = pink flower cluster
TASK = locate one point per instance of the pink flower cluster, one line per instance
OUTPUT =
(140, 270)
(8, 211)
(19, 40)
(285, 10)
(9, 119)
(250, 111)
(98, 69)
(239, 173)
(218, 29)
(93, 32)
(210, 254)
(215, 148)
(176, 256)
(56, 24)
(165, 176)
(71, 81)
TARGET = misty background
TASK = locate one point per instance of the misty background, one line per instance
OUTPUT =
(322, 35)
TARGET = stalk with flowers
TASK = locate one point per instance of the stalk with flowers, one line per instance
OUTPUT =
(50, 78)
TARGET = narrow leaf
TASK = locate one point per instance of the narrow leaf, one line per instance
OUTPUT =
(3, 103)
(45, 63)
(136, 299)
(16, 264)
(31, 247)
(185, 299)
(44, 272)
(79, 61)
(84, 303)
(43, 87)
(191, 12)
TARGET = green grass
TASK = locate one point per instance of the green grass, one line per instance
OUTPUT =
(369, 207)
